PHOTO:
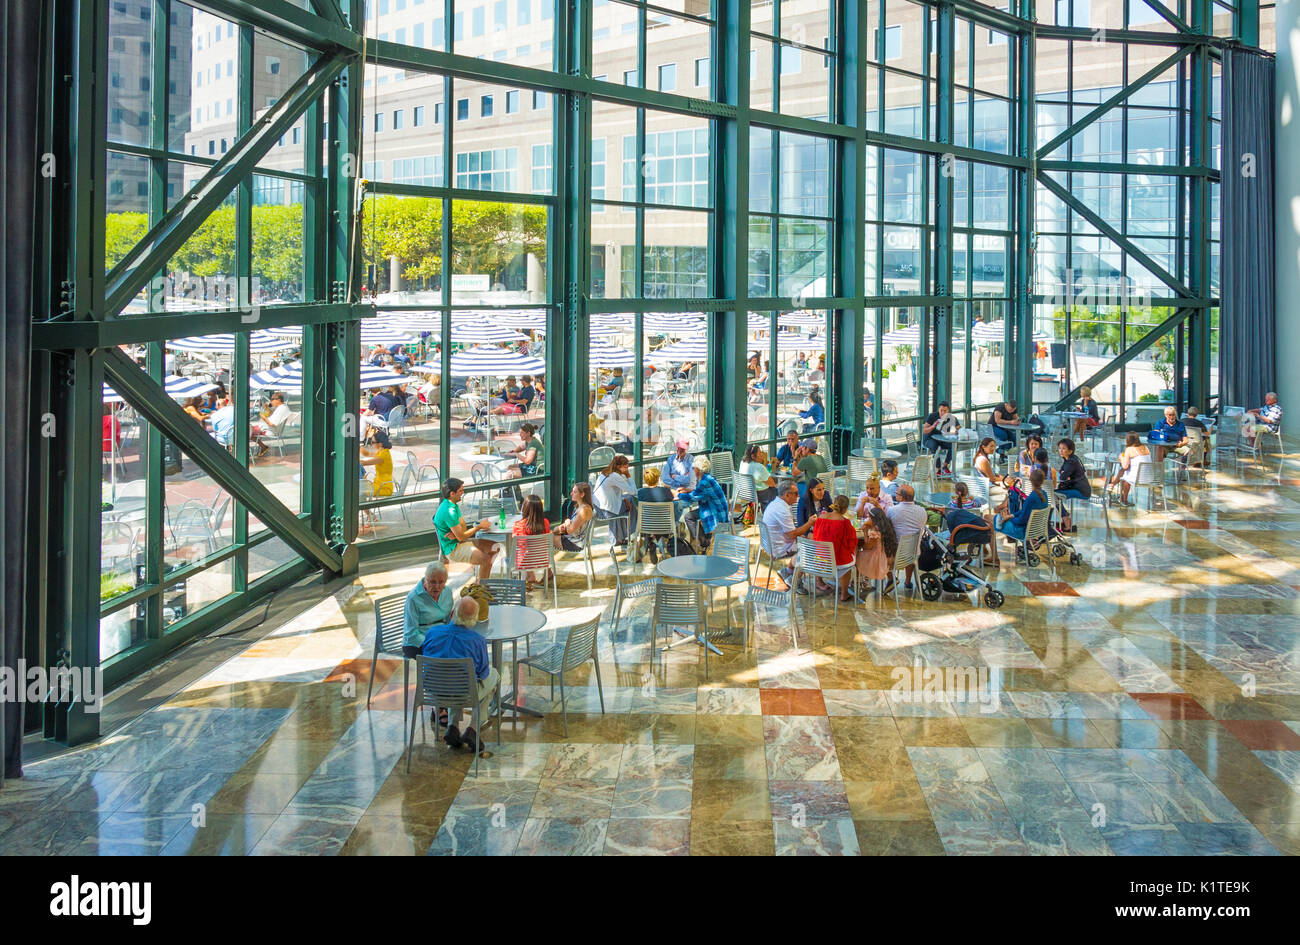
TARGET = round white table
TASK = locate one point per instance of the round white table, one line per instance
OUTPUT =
(875, 452)
(510, 623)
(696, 569)
(501, 536)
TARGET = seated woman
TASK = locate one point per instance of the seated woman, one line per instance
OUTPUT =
(754, 465)
(571, 534)
(653, 491)
(1025, 461)
(984, 453)
(879, 545)
(1130, 461)
(613, 387)
(872, 497)
(456, 539)
(1072, 481)
(528, 452)
(813, 501)
(531, 522)
(814, 418)
(1087, 406)
(1014, 526)
(757, 385)
(616, 498)
(506, 400)
(834, 527)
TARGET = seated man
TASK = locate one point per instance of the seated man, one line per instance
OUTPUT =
(908, 519)
(458, 640)
(944, 422)
(785, 456)
(679, 469)
(1005, 421)
(1269, 417)
(711, 509)
(223, 424)
(274, 418)
(428, 604)
(889, 478)
(778, 520)
(1170, 434)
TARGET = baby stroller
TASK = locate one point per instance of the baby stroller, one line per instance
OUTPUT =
(968, 536)
(1058, 541)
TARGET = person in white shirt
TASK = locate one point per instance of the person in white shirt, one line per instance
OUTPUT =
(679, 469)
(908, 519)
(274, 419)
(778, 520)
(754, 465)
(615, 497)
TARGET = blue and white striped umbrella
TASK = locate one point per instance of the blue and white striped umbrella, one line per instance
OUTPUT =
(802, 319)
(691, 349)
(372, 333)
(908, 335)
(175, 385)
(996, 331)
(658, 323)
(289, 377)
(789, 341)
(602, 354)
(490, 361)
(257, 341)
(476, 332)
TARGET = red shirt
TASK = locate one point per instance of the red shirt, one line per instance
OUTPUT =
(521, 528)
(112, 432)
(841, 534)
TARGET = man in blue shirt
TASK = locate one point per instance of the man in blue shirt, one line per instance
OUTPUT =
(785, 456)
(679, 470)
(429, 604)
(459, 640)
(223, 424)
(1170, 434)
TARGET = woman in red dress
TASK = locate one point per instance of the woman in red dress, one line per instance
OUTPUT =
(834, 527)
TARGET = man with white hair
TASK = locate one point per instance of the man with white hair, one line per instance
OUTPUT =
(457, 640)
(1268, 416)
(428, 604)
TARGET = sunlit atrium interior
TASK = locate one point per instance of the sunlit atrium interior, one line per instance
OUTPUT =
(651, 427)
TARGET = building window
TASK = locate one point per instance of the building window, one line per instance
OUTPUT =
(597, 169)
(512, 101)
(417, 116)
(702, 72)
(421, 171)
(668, 77)
(524, 13)
(893, 48)
(462, 109)
(499, 16)
(630, 78)
(539, 98)
(297, 136)
(543, 158)
(272, 65)
(379, 122)
(485, 106)
(676, 167)
(487, 170)
(437, 113)
(791, 60)
(478, 21)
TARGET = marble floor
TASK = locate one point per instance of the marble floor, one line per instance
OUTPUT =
(1144, 702)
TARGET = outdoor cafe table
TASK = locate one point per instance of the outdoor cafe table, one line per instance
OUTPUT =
(696, 569)
(875, 452)
(510, 623)
(495, 533)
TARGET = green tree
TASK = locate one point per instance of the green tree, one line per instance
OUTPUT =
(121, 232)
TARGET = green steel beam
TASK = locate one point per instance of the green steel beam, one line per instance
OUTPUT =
(937, 368)
(1131, 352)
(151, 402)
(1115, 236)
(1170, 16)
(1111, 167)
(1248, 22)
(1129, 37)
(1122, 95)
(1199, 224)
(1018, 365)
(287, 21)
(330, 10)
(135, 270)
(136, 329)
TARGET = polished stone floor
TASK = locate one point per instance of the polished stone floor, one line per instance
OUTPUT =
(1144, 702)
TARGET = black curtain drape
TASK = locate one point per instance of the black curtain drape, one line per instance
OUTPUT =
(19, 103)
(1247, 336)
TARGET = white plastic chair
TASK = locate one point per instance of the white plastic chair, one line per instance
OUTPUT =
(535, 553)
(678, 605)
(451, 683)
(816, 559)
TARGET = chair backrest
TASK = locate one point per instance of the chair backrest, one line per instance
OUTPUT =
(860, 468)
(397, 416)
(722, 465)
(733, 548)
(978, 487)
(656, 518)
(909, 547)
(219, 514)
(600, 457)
(743, 489)
(533, 552)
(679, 603)
(1149, 472)
(580, 645)
(923, 470)
(873, 442)
(407, 473)
(389, 627)
(1036, 527)
(489, 507)
(1195, 440)
(816, 557)
(507, 591)
(447, 681)
(984, 429)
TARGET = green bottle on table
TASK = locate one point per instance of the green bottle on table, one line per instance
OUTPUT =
(502, 519)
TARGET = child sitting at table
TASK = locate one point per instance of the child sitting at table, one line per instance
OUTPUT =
(961, 497)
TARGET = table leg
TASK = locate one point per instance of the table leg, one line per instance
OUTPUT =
(509, 701)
